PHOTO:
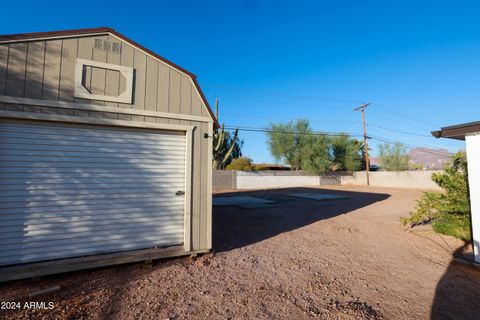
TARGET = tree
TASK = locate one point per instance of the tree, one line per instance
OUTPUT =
(315, 155)
(346, 153)
(393, 158)
(284, 142)
(295, 144)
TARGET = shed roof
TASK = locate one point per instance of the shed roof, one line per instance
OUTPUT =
(105, 30)
(458, 131)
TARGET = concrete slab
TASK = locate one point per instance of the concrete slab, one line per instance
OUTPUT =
(245, 202)
(317, 196)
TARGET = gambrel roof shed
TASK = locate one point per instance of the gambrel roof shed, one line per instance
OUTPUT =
(87, 32)
(105, 154)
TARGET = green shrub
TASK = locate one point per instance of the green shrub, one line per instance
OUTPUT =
(448, 211)
(242, 164)
(425, 210)
(455, 225)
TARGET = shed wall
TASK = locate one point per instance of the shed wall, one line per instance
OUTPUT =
(45, 70)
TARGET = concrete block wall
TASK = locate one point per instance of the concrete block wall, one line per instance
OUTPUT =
(402, 179)
(239, 180)
(263, 180)
(224, 180)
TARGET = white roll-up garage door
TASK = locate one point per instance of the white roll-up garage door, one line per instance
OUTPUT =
(68, 190)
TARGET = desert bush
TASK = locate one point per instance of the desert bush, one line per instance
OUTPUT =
(242, 164)
(448, 211)
(425, 210)
(455, 225)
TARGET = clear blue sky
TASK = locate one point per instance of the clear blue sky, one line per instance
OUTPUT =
(417, 62)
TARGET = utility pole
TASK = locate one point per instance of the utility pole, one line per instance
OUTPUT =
(365, 139)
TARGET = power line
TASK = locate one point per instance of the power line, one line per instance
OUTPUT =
(313, 133)
(402, 132)
(390, 110)
(409, 124)
(315, 106)
(392, 133)
(419, 149)
(381, 139)
(336, 100)
(285, 118)
(301, 97)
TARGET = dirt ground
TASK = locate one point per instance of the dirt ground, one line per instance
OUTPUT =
(337, 259)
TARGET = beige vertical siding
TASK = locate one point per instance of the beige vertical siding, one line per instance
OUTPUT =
(185, 95)
(84, 51)
(4, 49)
(151, 84)
(67, 70)
(98, 78)
(140, 65)
(51, 71)
(34, 74)
(174, 93)
(112, 81)
(15, 86)
(46, 70)
(126, 59)
(196, 103)
(163, 88)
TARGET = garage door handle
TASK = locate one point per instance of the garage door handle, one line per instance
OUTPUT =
(180, 193)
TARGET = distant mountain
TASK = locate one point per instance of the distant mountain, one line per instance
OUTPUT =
(430, 158)
(427, 158)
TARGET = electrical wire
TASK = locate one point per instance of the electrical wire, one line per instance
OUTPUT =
(301, 97)
(410, 139)
(391, 110)
(381, 139)
(284, 118)
(336, 100)
(409, 124)
(398, 131)
(264, 130)
(315, 106)
(419, 149)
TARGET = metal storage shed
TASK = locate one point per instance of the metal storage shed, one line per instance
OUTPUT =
(105, 154)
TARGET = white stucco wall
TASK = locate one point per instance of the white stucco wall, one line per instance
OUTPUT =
(260, 180)
(390, 179)
(473, 158)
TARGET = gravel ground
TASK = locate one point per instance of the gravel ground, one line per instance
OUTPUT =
(338, 259)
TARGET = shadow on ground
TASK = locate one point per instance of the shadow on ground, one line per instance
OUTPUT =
(234, 227)
(459, 286)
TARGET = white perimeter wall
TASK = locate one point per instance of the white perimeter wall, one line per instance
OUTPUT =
(260, 180)
(473, 158)
(401, 179)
